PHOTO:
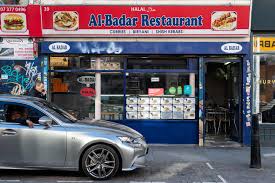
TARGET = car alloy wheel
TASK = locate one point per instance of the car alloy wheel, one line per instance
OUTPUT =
(100, 162)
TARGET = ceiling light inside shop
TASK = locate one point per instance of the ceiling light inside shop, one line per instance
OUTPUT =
(227, 63)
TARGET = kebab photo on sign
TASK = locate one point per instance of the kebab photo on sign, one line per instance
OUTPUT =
(225, 21)
(65, 20)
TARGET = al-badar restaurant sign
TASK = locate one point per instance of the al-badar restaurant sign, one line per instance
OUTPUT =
(145, 21)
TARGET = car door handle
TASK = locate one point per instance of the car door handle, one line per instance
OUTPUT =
(8, 132)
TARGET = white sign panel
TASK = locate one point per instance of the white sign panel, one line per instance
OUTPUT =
(16, 49)
(59, 47)
(231, 48)
(86, 79)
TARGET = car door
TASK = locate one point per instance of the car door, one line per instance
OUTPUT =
(40, 146)
(44, 147)
(9, 141)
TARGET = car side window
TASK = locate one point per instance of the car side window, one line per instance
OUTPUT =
(18, 113)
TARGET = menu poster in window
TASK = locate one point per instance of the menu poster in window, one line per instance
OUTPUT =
(154, 100)
(143, 107)
(177, 100)
(131, 115)
(177, 108)
(131, 107)
(166, 108)
(154, 108)
(143, 115)
(161, 108)
(189, 115)
(189, 101)
(189, 112)
(166, 115)
(178, 115)
(166, 100)
(131, 100)
(143, 100)
(154, 115)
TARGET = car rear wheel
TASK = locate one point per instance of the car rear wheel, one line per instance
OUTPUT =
(100, 162)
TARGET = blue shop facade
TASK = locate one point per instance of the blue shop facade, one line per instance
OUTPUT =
(167, 91)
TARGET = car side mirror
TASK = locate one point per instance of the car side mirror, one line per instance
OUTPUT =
(45, 121)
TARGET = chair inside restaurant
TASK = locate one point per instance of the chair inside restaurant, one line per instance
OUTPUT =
(222, 100)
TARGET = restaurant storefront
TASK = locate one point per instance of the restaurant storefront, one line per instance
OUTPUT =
(158, 69)
(152, 76)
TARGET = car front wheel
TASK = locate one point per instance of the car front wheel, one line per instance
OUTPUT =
(100, 162)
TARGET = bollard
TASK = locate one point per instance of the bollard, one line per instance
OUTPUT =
(255, 156)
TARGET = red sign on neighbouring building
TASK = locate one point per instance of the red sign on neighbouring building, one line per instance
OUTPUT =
(20, 21)
(149, 21)
(87, 92)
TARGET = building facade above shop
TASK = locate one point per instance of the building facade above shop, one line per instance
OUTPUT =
(262, 11)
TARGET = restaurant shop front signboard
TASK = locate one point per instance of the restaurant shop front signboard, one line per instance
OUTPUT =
(147, 21)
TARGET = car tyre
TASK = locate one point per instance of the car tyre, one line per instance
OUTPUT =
(100, 162)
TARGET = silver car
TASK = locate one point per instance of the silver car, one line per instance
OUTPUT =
(57, 140)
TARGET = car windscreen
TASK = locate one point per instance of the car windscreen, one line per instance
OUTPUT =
(57, 111)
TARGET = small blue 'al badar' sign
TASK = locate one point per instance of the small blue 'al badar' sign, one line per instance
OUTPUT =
(187, 90)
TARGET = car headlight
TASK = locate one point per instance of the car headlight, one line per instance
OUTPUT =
(134, 142)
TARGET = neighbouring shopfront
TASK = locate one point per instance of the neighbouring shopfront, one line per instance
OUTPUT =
(264, 69)
(19, 66)
(264, 85)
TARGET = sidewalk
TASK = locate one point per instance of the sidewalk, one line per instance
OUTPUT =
(181, 163)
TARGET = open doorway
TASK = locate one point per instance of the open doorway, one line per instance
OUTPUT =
(223, 83)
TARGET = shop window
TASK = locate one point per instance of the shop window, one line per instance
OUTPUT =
(66, 91)
(112, 96)
(157, 63)
(267, 88)
(170, 93)
(85, 63)
(160, 96)
(68, 81)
